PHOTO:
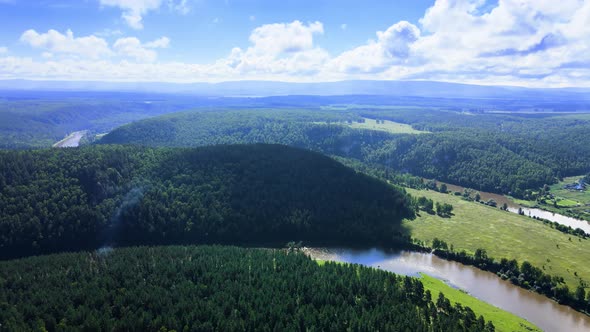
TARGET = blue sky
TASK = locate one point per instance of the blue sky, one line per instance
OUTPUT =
(517, 42)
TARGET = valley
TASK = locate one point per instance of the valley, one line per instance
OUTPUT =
(323, 176)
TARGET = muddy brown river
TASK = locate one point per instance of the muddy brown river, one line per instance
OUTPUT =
(486, 286)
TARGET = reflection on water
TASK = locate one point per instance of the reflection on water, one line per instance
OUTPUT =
(486, 286)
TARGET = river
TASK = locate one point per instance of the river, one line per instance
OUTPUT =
(531, 212)
(559, 218)
(486, 286)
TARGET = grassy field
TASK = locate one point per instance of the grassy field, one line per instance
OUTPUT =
(503, 320)
(388, 126)
(504, 234)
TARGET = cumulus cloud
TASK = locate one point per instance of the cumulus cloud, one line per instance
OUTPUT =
(56, 42)
(280, 48)
(392, 46)
(284, 37)
(91, 47)
(132, 47)
(520, 42)
(133, 10)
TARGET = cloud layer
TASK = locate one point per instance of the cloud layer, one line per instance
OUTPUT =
(520, 42)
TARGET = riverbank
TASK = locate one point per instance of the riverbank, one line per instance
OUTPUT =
(494, 298)
(534, 209)
(502, 319)
(504, 235)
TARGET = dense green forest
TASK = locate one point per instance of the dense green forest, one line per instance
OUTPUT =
(72, 199)
(216, 289)
(489, 152)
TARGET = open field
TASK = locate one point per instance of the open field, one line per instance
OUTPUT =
(504, 234)
(503, 320)
(386, 125)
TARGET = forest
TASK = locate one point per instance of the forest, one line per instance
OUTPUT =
(156, 289)
(73, 199)
(507, 154)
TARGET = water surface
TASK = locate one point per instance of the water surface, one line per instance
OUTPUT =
(486, 286)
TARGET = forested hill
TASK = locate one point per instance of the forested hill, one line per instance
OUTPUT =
(489, 152)
(72, 199)
(216, 289)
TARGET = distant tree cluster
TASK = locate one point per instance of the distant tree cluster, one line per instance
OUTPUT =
(465, 150)
(216, 289)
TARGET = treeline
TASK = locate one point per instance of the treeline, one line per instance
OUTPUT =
(216, 289)
(524, 275)
(488, 152)
(73, 199)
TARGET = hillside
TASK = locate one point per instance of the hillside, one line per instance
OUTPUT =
(216, 289)
(488, 152)
(73, 199)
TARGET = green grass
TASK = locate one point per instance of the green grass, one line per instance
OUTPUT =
(388, 126)
(504, 234)
(566, 203)
(503, 320)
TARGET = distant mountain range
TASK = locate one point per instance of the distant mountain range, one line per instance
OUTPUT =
(428, 89)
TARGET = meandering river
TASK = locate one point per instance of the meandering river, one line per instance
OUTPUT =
(486, 286)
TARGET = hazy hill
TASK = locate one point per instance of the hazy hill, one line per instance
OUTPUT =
(273, 88)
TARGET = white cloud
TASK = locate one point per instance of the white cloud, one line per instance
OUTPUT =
(519, 42)
(162, 42)
(284, 37)
(56, 42)
(392, 46)
(279, 49)
(180, 6)
(132, 47)
(133, 10)
(108, 33)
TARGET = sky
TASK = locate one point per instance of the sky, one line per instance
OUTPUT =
(535, 43)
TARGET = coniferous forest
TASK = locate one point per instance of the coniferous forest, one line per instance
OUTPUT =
(73, 199)
(216, 288)
(498, 153)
